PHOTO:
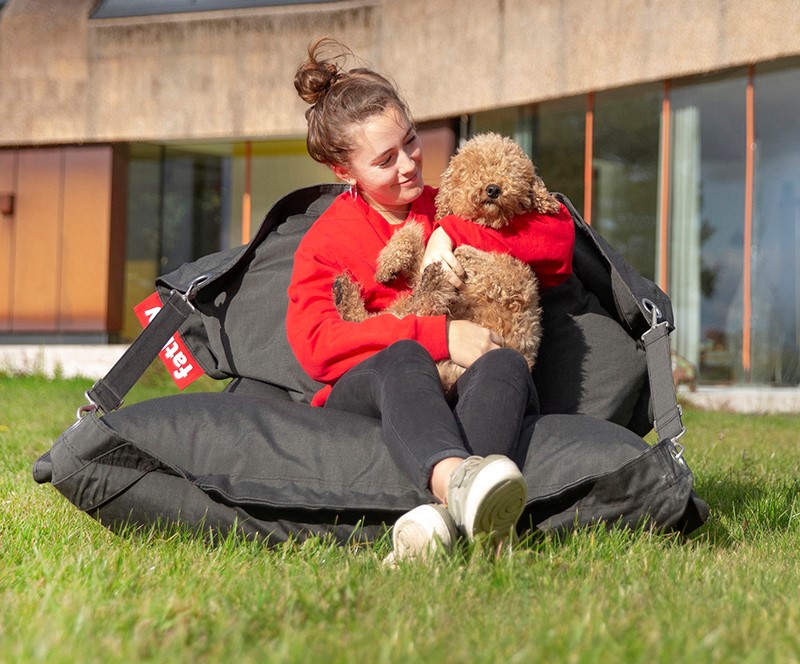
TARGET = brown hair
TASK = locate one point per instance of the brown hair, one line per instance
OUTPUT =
(339, 99)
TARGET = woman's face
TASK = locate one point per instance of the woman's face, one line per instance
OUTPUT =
(386, 161)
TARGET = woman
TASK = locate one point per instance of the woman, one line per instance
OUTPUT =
(463, 447)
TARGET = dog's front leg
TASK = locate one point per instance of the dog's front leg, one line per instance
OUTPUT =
(402, 255)
(348, 300)
(434, 294)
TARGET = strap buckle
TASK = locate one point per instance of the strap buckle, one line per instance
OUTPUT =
(84, 410)
(651, 308)
(194, 286)
(677, 453)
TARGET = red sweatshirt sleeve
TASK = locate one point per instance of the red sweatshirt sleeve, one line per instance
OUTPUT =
(325, 345)
(543, 241)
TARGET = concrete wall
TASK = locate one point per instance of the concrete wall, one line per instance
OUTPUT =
(65, 78)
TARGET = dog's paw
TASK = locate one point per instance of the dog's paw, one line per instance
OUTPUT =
(347, 299)
(402, 255)
(435, 279)
(433, 295)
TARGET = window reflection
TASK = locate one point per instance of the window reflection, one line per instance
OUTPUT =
(143, 231)
(707, 224)
(559, 146)
(191, 207)
(625, 173)
(176, 213)
(775, 348)
(185, 201)
(506, 121)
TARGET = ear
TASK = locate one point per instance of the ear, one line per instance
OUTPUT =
(342, 173)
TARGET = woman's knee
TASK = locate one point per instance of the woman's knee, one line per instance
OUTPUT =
(407, 351)
(509, 366)
(508, 359)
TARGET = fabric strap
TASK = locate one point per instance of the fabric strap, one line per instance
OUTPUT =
(108, 393)
(666, 411)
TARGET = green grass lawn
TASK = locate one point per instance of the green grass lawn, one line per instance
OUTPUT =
(71, 591)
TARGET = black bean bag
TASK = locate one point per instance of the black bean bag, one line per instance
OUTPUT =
(259, 460)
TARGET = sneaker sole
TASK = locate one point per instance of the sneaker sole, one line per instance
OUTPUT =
(419, 533)
(501, 494)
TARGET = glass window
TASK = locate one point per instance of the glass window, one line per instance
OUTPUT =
(775, 346)
(186, 201)
(120, 8)
(192, 206)
(142, 263)
(505, 121)
(559, 147)
(706, 231)
(277, 168)
(175, 215)
(625, 173)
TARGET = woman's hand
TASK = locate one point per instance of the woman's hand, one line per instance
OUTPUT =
(440, 250)
(467, 341)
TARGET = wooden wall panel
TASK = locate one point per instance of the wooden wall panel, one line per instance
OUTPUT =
(35, 292)
(85, 244)
(7, 225)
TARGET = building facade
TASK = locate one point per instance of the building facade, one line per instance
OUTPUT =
(138, 135)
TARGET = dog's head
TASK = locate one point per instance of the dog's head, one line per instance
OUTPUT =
(489, 181)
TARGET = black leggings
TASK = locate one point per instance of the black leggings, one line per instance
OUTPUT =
(490, 410)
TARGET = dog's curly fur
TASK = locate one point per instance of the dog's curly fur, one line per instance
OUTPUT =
(490, 180)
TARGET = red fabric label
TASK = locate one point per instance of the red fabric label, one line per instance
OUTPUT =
(175, 355)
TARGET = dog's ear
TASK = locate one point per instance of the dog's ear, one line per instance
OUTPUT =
(543, 201)
(444, 204)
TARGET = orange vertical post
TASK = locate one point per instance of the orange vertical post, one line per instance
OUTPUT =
(588, 158)
(747, 270)
(663, 240)
(246, 198)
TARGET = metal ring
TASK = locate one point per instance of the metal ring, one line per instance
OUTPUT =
(194, 286)
(651, 308)
(90, 407)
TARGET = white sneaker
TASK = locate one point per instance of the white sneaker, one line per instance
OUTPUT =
(421, 532)
(487, 496)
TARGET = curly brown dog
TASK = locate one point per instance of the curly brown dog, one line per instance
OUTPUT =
(489, 181)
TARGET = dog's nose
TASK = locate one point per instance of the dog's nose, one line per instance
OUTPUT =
(493, 191)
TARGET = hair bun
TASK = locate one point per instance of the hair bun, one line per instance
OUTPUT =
(340, 96)
(314, 79)
(322, 70)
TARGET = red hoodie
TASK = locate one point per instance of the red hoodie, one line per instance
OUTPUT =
(348, 237)
(543, 241)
